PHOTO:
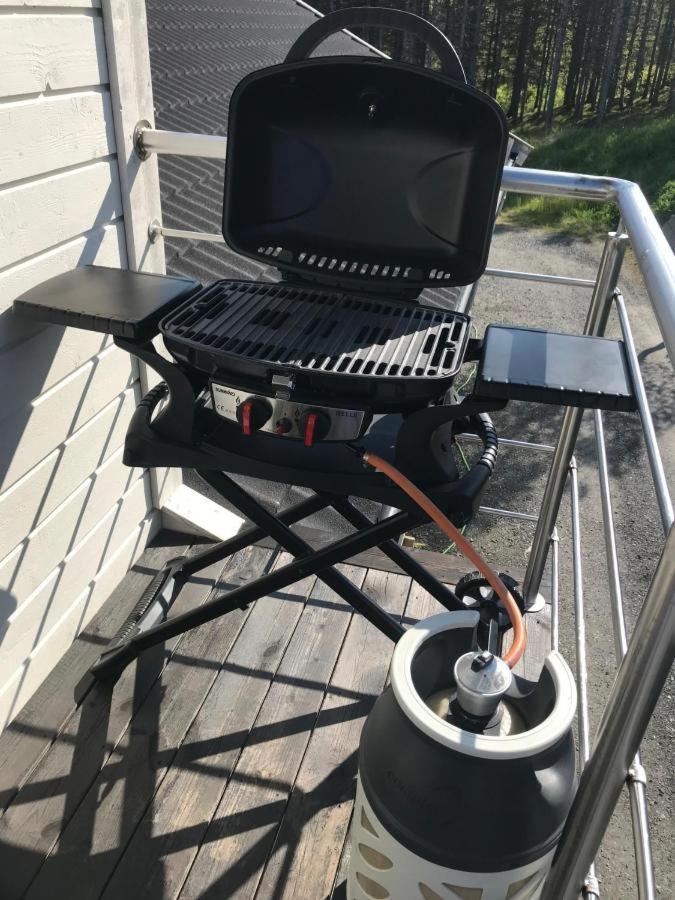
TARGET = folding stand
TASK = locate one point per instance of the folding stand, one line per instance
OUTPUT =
(187, 432)
(142, 629)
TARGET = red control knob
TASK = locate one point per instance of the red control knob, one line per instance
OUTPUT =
(252, 414)
(314, 426)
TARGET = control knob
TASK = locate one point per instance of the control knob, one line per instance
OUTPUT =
(252, 414)
(314, 425)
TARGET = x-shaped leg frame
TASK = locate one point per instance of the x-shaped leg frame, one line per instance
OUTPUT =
(148, 624)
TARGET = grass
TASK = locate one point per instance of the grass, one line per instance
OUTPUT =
(640, 148)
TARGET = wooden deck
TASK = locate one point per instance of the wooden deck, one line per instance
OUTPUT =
(222, 764)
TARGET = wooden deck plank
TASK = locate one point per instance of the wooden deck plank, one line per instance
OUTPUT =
(228, 771)
(49, 798)
(447, 567)
(165, 844)
(26, 739)
(305, 857)
(419, 605)
(233, 855)
(92, 841)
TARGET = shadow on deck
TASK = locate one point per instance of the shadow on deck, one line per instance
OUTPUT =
(222, 764)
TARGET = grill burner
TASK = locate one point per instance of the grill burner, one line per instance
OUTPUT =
(244, 327)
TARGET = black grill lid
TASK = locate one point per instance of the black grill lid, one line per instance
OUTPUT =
(363, 172)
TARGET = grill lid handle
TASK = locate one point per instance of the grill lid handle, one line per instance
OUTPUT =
(377, 16)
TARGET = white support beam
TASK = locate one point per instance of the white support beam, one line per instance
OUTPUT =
(126, 40)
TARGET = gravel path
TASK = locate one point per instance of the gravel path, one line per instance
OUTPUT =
(518, 484)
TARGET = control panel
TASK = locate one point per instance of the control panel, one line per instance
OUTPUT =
(308, 422)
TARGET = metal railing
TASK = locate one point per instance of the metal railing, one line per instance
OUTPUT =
(645, 660)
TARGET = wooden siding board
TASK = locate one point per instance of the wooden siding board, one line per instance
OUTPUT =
(30, 435)
(37, 364)
(31, 561)
(55, 209)
(50, 52)
(31, 499)
(49, 651)
(52, 132)
(23, 743)
(63, 424)
(34, 617)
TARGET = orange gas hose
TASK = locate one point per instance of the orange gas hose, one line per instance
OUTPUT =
(517, 648)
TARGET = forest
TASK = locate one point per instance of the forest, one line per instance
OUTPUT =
(543, 58)
(590, 83)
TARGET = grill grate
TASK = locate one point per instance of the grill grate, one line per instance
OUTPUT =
(320, 330)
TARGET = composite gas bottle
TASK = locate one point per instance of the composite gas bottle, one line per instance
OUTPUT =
(466, 772)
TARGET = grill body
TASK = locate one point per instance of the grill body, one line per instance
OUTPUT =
(386, 354)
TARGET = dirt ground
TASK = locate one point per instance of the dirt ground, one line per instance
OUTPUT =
(518, 484)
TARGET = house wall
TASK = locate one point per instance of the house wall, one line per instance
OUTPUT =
(72, 517)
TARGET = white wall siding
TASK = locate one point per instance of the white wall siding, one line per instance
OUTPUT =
(57, 207)
(32, 498)
(72, 517)
(49, 649)
(46, 52)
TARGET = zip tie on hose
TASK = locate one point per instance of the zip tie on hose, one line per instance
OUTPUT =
(467, 549)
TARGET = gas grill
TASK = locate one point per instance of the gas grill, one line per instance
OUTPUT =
(363, 181)
(372, 350)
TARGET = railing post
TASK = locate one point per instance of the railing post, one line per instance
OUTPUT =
(638, 684)
(596, 320)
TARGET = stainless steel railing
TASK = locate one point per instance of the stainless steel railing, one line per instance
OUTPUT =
(645, 660)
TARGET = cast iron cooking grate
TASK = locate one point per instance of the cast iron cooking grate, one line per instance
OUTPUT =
(320, 330)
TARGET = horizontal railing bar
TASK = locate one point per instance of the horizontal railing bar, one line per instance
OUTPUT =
(636, 785)
(650, 246)
(182, 143)
(189, 235)
(507, 513)
(652, 251)
(654, 454)
(540, 276)
(519, 180)
(510, 442)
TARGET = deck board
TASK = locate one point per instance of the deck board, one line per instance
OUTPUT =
(109, 813)
(32, 732)
(222, 764)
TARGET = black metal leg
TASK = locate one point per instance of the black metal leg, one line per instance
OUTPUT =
(249, 536)
(298, 547)
(403, 560)
(317, 562)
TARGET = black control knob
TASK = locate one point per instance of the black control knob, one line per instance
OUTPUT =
(252, 414)
(314, 425)
(283, 426)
